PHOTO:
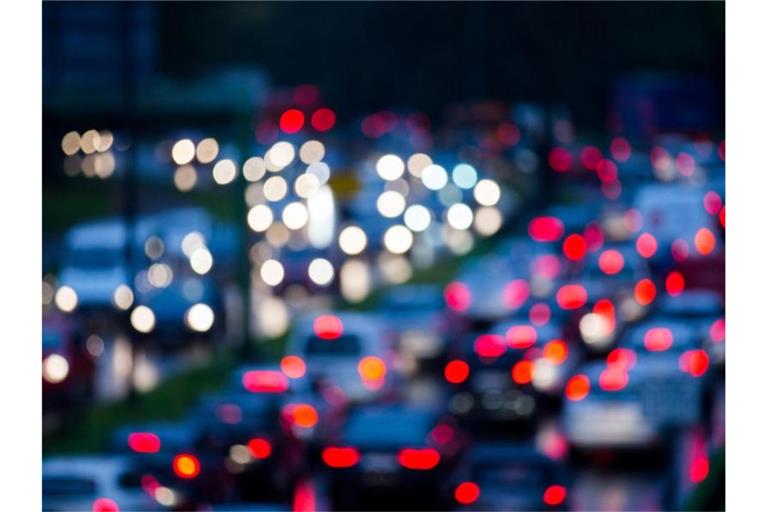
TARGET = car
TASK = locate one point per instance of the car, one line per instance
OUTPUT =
(188, 308)
(672, 212)
(172, 226)
(608, 416)
(173, 457)
(350, 352)
(94, 263)
(391, 451)
(509, 476)
(93, 483)
(500, 379)
(476, 302)
(68, 368)
(247, 432)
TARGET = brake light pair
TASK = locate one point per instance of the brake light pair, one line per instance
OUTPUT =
(410, 458)
(467, 493)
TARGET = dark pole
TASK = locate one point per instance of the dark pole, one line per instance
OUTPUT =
(129, 192)
(243, 261)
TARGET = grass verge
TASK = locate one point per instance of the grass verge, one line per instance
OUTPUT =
(85, 432)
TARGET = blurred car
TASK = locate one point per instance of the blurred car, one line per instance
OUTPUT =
(420, 326)
(93, 483)
(308, 408)
(169, 459)
(386, 451)
(94, 263)
(246, 432)
(510, 477)
(499, 377)
(610, 415)
(671, 213)
(68, 368)
(476, 302)
(351, 352)
(195, 225)
(184, 309)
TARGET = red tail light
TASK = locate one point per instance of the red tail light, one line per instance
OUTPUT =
(466, 493)
(265, 381)
(571, 296)
(675, 283)
(259, 448)
(328, 327)
(694, 362)
(522, 372)
(658, 339)
(577, 387)
(457, 296)
(611, 262)
(144, 442)
(421, 459)
(613, 379)
(575, 247)
(699, 469)
(340, 456)
(521, 336)
(489, 345)
(186, 466)
(516, 293)
(554, 495)
(301, 415)
(546, 229)
(105, 505)
(456, 371)
(645, 292)
(304, 498)
(621, 358)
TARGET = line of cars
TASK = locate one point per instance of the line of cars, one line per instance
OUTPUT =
(605, 320)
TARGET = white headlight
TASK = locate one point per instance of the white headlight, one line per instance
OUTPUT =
(55, 368)
(143, 319)
(200, 317)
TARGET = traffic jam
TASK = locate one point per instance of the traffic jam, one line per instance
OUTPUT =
(489, 311)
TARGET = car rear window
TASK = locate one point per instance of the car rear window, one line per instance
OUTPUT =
(398, 428)
(518, 475)
(346, 344)
(68, 486)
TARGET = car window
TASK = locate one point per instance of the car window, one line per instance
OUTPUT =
(94, 258)
(346, 344)
(402, 428)
(68, 486)
(518, 475)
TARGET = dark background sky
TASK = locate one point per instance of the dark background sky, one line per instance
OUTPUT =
(367, 56)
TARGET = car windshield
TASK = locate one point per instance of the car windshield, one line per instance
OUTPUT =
(68, 486)
(344, 345)
(94, 257)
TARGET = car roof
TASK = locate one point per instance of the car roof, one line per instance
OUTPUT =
(99, 233)
(91, 466)
(692, 302)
